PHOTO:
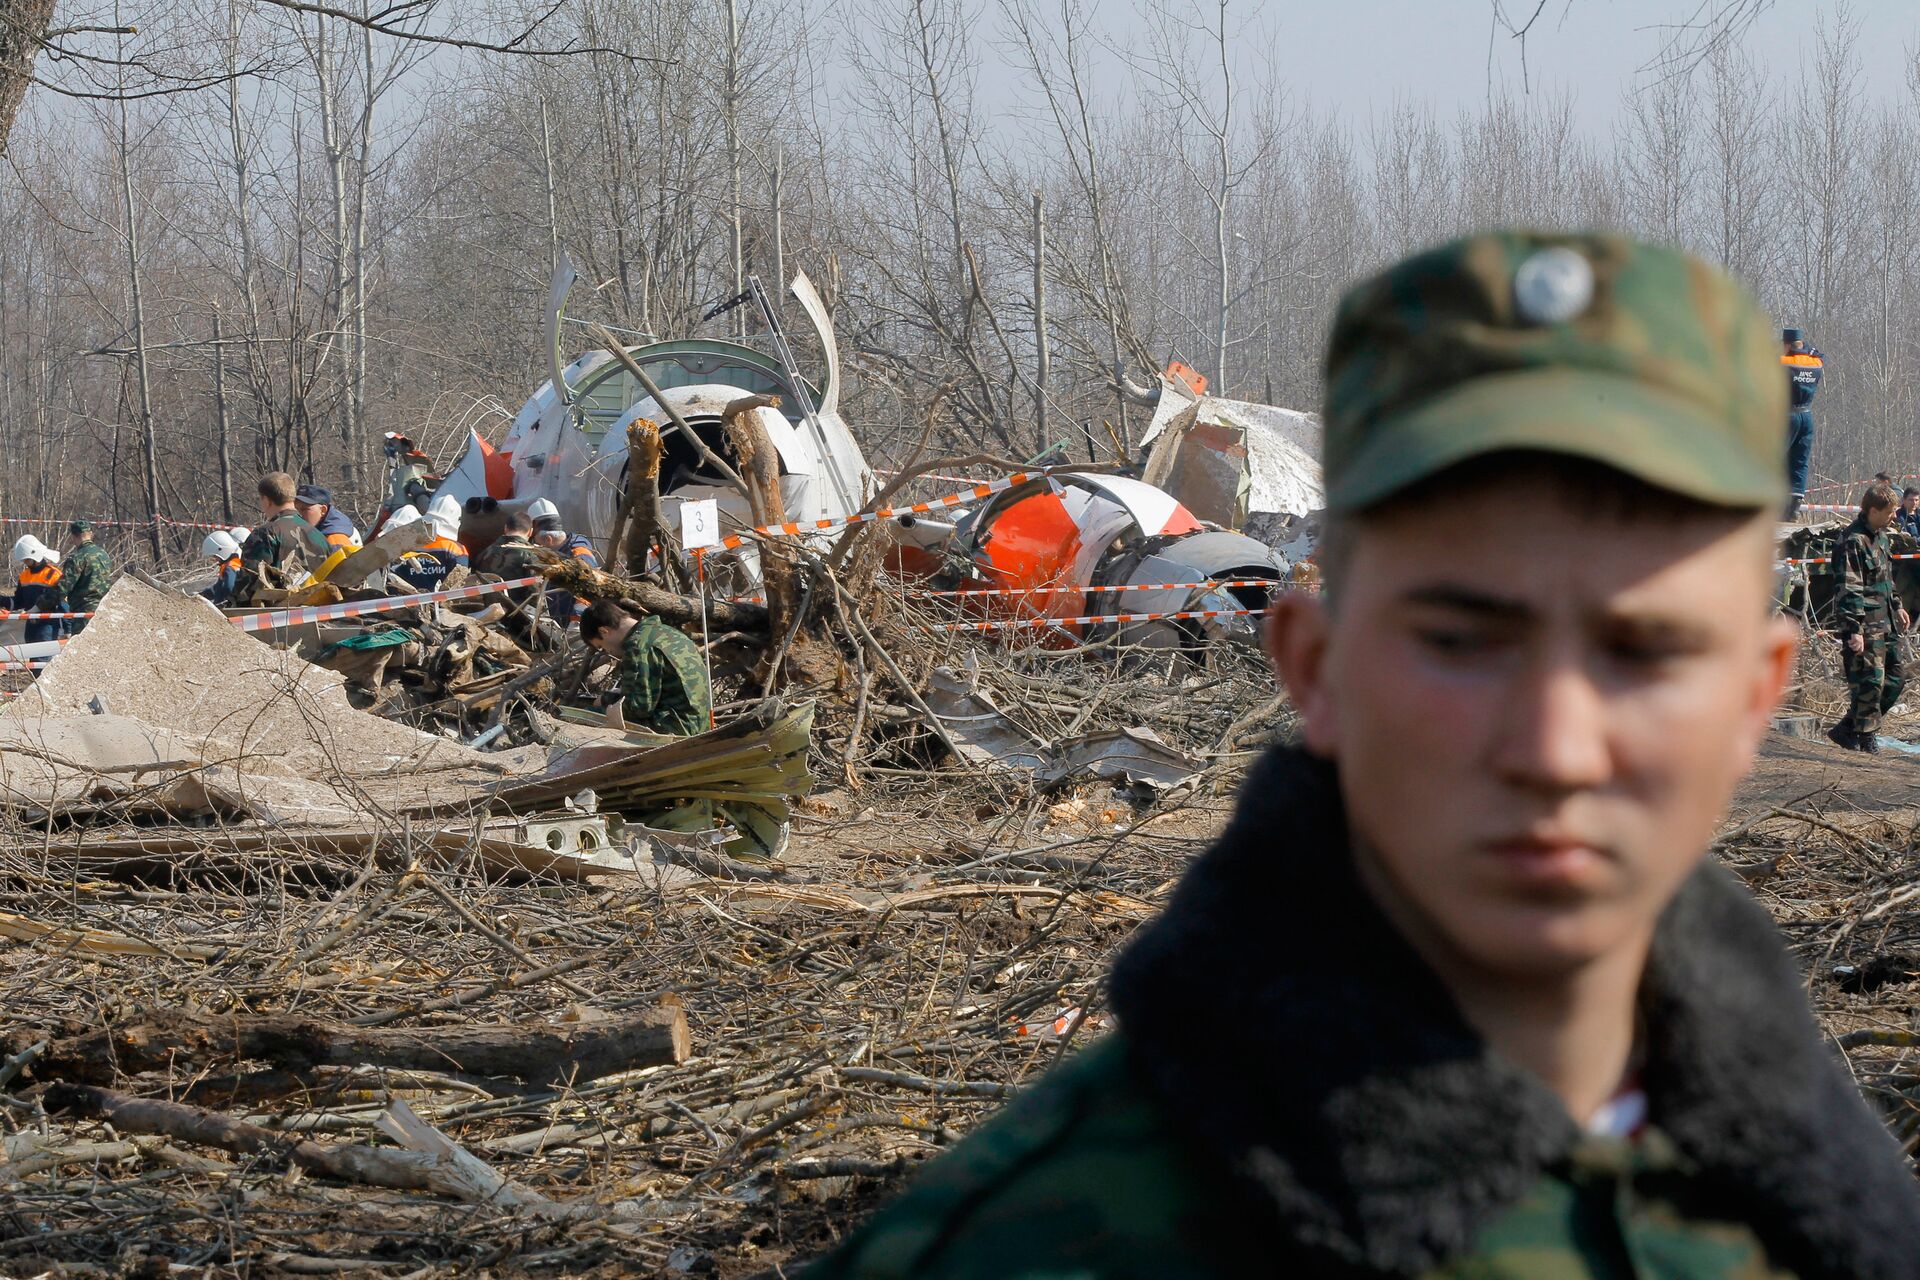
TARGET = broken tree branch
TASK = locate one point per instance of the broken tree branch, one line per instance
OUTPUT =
(542, 1054)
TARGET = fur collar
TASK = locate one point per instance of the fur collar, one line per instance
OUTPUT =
(1277, 1012)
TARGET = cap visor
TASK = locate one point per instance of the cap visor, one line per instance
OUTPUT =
(1627, 424)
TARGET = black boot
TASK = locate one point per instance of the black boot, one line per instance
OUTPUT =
(1793, 505)
(1842, 735)
(1867, 742)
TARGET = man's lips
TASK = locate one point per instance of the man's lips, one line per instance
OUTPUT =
(1549, 861)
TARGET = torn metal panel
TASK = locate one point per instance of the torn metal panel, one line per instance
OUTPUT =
(1134, 756)
(1229, 460)
(978, 728)
(986, 736)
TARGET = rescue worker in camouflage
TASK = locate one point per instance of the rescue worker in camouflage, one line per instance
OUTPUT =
(283, 549)
(513, 555)
(662, 679)
(85, 575)
(1868, 620)
(1458, 994)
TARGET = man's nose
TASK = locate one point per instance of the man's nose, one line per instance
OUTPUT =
(1553, 735)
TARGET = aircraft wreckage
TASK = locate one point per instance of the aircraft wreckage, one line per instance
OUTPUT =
(1058, 545)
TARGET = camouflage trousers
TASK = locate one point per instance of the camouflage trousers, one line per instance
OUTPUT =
(1875, 677)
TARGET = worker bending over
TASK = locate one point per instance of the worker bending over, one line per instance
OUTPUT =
(443, 519)
(223, 549)
(548, 532)
(662, 679)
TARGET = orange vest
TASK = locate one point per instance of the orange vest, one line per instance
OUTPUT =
(47, 575)
(446, 544)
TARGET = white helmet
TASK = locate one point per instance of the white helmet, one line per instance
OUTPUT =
(444, 516)
(31, 548)
(219, 545)
(402, 517)
(542, 509)
(240, 534)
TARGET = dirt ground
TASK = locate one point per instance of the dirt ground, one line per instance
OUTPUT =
(936, 941)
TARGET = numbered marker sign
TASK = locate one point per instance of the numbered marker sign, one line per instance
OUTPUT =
(700, 524)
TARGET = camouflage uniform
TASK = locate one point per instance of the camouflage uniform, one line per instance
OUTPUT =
(1293, 1091)
(288, 546)
(1865, 605)
(512, 556)
(1309, 1102)
(84, 579)
(664, 680)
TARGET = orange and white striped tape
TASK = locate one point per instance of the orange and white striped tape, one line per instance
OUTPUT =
(796, 528)
(965, 592)
(277, 618)
(360, 608)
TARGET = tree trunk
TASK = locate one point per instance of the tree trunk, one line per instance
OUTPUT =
(224, 421)
(543, 1054)
(760, 467)
(23, 27)
(1042, 360)
(648, 528)
(148, 447)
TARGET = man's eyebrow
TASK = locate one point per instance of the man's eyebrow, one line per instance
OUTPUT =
(1469, 600)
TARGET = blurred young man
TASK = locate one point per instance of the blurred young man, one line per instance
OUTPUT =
(1457, 994)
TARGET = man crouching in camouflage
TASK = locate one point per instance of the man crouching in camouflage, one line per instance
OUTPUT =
(1869, 619)
(1458, 994)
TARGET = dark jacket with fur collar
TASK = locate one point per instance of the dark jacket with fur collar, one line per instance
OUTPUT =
(1310, 1084)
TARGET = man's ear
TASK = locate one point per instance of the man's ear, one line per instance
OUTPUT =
(1298, 628)
(1780, 646)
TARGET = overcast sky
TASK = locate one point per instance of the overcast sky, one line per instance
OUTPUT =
(1357, 55)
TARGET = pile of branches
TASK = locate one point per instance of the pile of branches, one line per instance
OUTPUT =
(222, 1059)
(1843, 882)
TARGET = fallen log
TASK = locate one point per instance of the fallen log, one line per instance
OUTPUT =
(593, 584)
(541, 1055)
(347, 1162)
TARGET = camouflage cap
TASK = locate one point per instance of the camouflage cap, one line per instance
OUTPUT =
(80, 526)
(1633, 355)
